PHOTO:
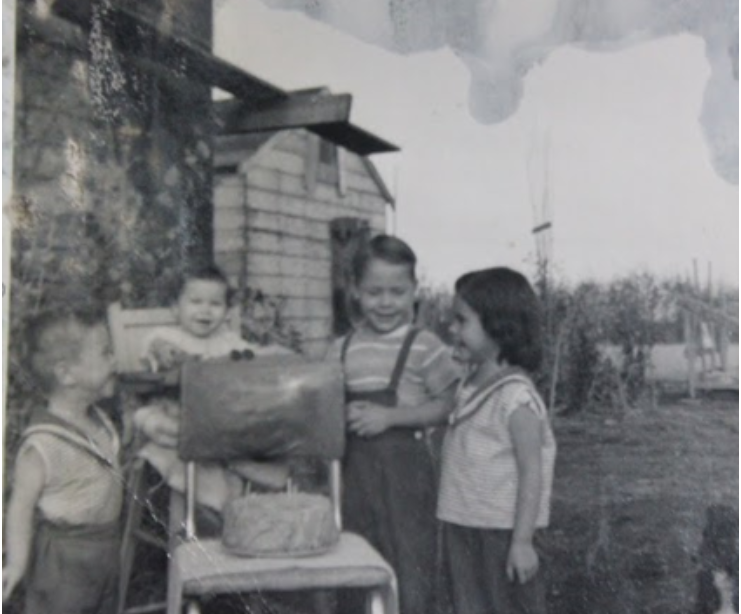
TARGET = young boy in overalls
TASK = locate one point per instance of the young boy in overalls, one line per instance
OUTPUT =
(399, 380)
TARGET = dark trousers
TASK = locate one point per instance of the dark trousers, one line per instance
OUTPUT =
(389, 498)
(74, 570)
(476, 561)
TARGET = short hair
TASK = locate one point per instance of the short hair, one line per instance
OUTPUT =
(509, 312)
(57, 336)
(209, 272)
(387, 248)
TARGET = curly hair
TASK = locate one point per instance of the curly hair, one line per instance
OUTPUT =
(509, 311)
(54, 337)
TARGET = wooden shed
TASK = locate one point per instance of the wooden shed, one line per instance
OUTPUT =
(287, 205)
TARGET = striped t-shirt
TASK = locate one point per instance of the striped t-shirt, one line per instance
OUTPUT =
(478, 484)
(370, 361)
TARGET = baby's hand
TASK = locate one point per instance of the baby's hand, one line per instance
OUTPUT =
(522, 562)
(165, 355)
(11, 577)
(367, 419)
(159, 424)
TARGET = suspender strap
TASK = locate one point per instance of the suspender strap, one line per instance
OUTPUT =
(401, 360)
(345, 345)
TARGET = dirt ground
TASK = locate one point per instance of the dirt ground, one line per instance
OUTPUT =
(630, 496)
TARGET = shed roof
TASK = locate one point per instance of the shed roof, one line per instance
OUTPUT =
(231, 150)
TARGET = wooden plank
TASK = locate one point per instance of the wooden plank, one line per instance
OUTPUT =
(354, 201)
(374, 204)
(264, 178)
(304, 227)
(354, 138)
(304, 247)
(354, 163)
(264, 200)
(290, 184)
(228, 198)
(174, 50)
(362, 182)
(229, 218)
(295, 206)
(284, 286)
(295, 142)
(229, 240)
(341, 172)
(307, 308)
(312, 162)
(261, 263)
(285, 162)
(380, 183)
(297, 110)
(287, 225)
(234, 115)
(229, 182)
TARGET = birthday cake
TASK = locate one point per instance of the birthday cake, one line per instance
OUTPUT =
(279, 525)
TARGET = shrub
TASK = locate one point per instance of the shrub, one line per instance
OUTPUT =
(631, 313)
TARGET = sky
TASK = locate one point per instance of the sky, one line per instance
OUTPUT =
(629, 179)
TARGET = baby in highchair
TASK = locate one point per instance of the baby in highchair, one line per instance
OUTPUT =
(201, 308)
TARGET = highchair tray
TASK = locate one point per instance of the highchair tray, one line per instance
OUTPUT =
(270, 407)
(147, 382)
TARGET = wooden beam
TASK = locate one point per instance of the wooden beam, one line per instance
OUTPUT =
(295, 111)
(376, 176)
(186, 59)
(353, 138)
(320, 117)
(193, 61)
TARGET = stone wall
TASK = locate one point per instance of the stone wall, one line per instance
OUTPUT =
(112, 167)
(112, 175)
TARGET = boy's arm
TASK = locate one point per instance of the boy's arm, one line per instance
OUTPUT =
(525, 430)
(28, 483)
(439, 374)
(368, 419)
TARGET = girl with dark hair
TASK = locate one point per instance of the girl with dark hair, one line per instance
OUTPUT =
(499, 451)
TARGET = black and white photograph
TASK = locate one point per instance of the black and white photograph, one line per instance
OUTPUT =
(370, 307)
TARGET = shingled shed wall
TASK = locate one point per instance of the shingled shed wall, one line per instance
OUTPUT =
(272, 226)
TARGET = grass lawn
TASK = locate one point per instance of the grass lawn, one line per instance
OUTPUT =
(630, 496)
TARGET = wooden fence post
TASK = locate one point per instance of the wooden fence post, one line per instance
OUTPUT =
(689, 339)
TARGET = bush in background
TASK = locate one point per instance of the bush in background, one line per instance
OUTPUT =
(630, 314)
